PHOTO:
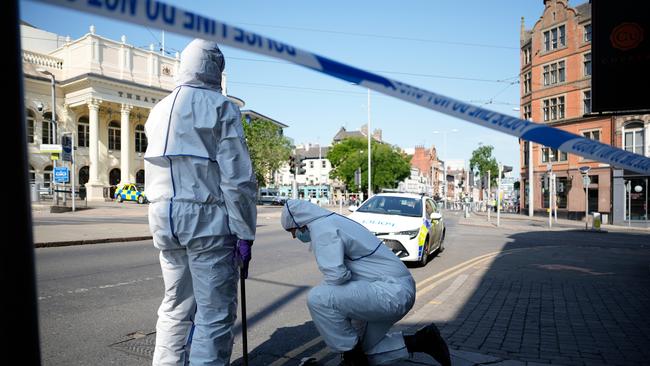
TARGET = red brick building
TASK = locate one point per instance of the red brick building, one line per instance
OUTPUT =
(556, 90)
(430, 166)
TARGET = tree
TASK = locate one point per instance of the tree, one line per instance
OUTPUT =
(389, 165)
(268, 148)
(483, 161)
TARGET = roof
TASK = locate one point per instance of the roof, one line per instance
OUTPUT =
(584, 11)
(252, 113)
(312, 152)
(343, 134)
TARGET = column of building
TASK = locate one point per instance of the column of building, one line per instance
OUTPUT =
(125, 137)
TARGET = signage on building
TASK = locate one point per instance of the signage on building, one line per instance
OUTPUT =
(66, 144)
(620, 48)
(61, 174)
(51, 148)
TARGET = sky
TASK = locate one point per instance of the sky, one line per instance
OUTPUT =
(468, 50)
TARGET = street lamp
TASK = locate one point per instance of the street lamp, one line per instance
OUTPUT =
(369, 151)
(444, 162)
(53, 133)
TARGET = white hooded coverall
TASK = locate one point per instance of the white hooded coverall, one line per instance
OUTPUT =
(364, 284)
(200, 181)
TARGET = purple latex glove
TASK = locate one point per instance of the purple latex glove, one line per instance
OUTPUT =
(243, 255)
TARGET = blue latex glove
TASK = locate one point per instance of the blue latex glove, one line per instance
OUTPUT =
(243, 255)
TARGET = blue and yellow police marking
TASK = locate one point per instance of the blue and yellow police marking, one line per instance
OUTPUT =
(151, 13)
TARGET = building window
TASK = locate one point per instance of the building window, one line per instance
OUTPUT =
(592, 135)
(587, 37)
(554, 38)
(47, 176)
(32, 174)
(30, 126)
(324, 163)
(527, 112)
(46, 129)
(84, 173)
(586, 101)
(83, 132)
(140, 139)
(554, 73)
(114, 141)
(311, 164)
(527, 54)
(553, 155)
(561, 184)
(139, 177)
(587, 64)
(634, 138)
(553, 108)
(527, 82)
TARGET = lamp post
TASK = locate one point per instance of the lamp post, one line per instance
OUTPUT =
(53, 133)
(369, 151)
(444, 163)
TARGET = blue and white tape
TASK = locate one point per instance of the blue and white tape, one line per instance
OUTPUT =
(151, 13)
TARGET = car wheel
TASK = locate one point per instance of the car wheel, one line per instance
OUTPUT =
(140, 200)
(425, 253)
(119, 198)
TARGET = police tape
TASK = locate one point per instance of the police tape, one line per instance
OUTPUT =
(151, 13)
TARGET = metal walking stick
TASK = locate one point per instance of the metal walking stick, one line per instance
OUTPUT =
(244, 334)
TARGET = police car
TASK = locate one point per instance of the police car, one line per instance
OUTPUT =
(411, 225)
(130, 192)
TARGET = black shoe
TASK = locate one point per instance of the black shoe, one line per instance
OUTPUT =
(429, 341)
(354, 357)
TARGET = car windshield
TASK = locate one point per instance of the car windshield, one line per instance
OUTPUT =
(391, 205)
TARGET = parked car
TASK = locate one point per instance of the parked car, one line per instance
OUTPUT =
(130, 192)
(270, 197)
(411, 225)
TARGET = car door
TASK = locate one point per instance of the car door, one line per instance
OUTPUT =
(435, 224)
(428, 210)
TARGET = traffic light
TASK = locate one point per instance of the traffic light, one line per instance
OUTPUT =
(301, 165)
(292, 164)
(505, 169)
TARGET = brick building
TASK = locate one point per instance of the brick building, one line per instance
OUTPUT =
(556, 90)
(427, 161)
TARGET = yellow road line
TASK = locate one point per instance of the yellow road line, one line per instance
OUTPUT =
(295, 352)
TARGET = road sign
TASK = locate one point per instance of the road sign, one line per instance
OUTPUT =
(61, 174)
(586, 180)
(66, 146)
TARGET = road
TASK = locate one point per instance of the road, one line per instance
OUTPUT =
(98, 303)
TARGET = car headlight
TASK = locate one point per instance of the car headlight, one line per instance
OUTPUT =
(411, 233)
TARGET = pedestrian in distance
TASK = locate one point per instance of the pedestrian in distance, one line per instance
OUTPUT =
(366, 289)
(202, 215)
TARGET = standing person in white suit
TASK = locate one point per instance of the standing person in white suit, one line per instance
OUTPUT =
(366, 289)
(202, 189)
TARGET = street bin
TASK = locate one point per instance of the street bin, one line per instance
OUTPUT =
(595, 222)
(33, 188)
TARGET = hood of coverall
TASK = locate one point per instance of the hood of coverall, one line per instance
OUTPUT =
(201, 65)
(298, 213)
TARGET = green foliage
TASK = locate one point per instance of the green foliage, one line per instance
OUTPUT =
(389, 165)
(483, 161)
(268, 148)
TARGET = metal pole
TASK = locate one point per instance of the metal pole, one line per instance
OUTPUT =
(72, 172)
(555, 195)
(550, 199)
(369, 151)
(53, 82)
(531, 183)
(499, 196)
(244, 328)
(489, 197)
(587, 207)
(629, 203)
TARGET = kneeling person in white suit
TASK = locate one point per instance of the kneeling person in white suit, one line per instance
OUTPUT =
(366, 290)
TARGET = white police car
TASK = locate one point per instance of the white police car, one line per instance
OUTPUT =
(411, 225)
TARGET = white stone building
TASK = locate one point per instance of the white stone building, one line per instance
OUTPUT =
(104, 92)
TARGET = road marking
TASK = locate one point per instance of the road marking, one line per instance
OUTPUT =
(450, 290)
(295, 352)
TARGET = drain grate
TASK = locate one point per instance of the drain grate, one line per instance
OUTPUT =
(140, 343)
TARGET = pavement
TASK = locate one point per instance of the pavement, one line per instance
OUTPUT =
(521, 319)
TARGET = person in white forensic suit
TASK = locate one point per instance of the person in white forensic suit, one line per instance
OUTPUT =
(366, 289)
(200, 182)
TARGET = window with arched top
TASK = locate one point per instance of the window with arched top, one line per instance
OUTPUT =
(140, 139)
(31, 124)
(114, 141)
(47, 128)
(84, 173)
(634, 137)
(83, 132)
(47, 176)
(114, 177)
(32, 174)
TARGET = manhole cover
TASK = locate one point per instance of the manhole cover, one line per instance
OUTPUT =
(140, 343)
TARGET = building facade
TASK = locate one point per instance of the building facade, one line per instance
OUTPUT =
(556, 90)
(104, 90)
